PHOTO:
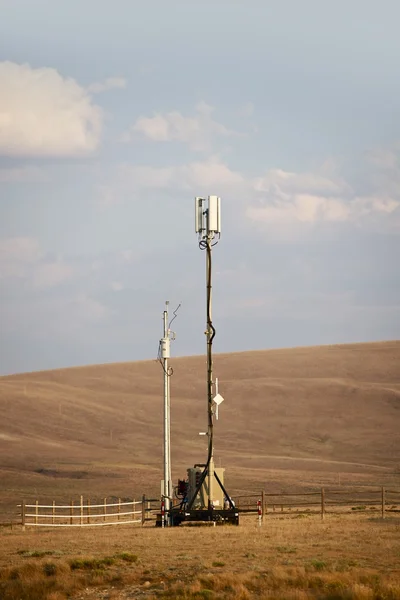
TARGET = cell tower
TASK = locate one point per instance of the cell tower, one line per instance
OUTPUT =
(208, 228)
(202, 494)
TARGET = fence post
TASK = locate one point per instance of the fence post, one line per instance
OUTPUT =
(383, 502)
(71, 512)
(36, 511)
(105, 509)
(23, 515)
(143, 509)
(322, 504)
(259, 512)
(81, 510)
(53, 512)
(264, 508)
(88, 510)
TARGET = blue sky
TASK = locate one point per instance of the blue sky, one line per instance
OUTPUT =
(114, 115)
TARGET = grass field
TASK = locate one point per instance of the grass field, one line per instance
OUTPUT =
(348, 557)
(294, 418)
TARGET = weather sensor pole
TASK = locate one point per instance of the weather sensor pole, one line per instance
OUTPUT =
(164, 354)
(208, 228)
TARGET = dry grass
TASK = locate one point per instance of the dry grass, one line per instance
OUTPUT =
(351, 557)
(308, 415)
(293, 420)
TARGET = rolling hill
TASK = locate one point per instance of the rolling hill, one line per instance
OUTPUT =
(292, 418)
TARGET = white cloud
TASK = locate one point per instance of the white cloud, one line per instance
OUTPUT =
(127, 256)
(22, 257)
(285, 198)
(196, 131)
(44, 114)
(16, 254)
(301, 207)
(108, 84)
(211, 173)
(309, 183)
(85, 308)
(50, 274)
(117, 286)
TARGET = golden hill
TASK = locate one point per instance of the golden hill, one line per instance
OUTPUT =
(291, 418)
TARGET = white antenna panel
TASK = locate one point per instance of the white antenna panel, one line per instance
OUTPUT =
(165, 348)
(199, 216)
(218, 399)
(214, 214)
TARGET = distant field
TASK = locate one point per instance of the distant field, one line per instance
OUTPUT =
(353, 557)
(292, 419)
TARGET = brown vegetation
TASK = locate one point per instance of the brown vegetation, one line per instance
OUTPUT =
(350, 557)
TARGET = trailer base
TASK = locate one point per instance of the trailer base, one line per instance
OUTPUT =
(202, 516)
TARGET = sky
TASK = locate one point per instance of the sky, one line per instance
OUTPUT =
(115, 115)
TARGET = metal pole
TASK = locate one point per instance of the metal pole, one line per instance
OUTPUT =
(167, 467)
(169, 506)
(209, 334)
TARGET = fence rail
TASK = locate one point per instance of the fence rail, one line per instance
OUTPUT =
(324, 501)
(319, 502)
(81, 514)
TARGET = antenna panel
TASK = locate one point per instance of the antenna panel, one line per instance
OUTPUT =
(218, 399)
(199, 216)
(165, 348)
(214, 214)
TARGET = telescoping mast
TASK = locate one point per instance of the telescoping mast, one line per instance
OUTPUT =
(202, 496)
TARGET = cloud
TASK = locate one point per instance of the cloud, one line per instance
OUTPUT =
(196, 131)
(276, 180)
(117, 286)
(23, 257)
(285, 198)
(85, 308)
(194, 178)
(108, 84)
(50, 274)
(301, 207)
(16, 254)
(44, 114)
(211, 173)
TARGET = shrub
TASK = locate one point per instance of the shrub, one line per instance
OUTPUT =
(49, 569)
(127, 557)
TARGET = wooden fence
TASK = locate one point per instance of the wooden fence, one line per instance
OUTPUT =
(374, 500)
(86, 514)
(323, 501)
